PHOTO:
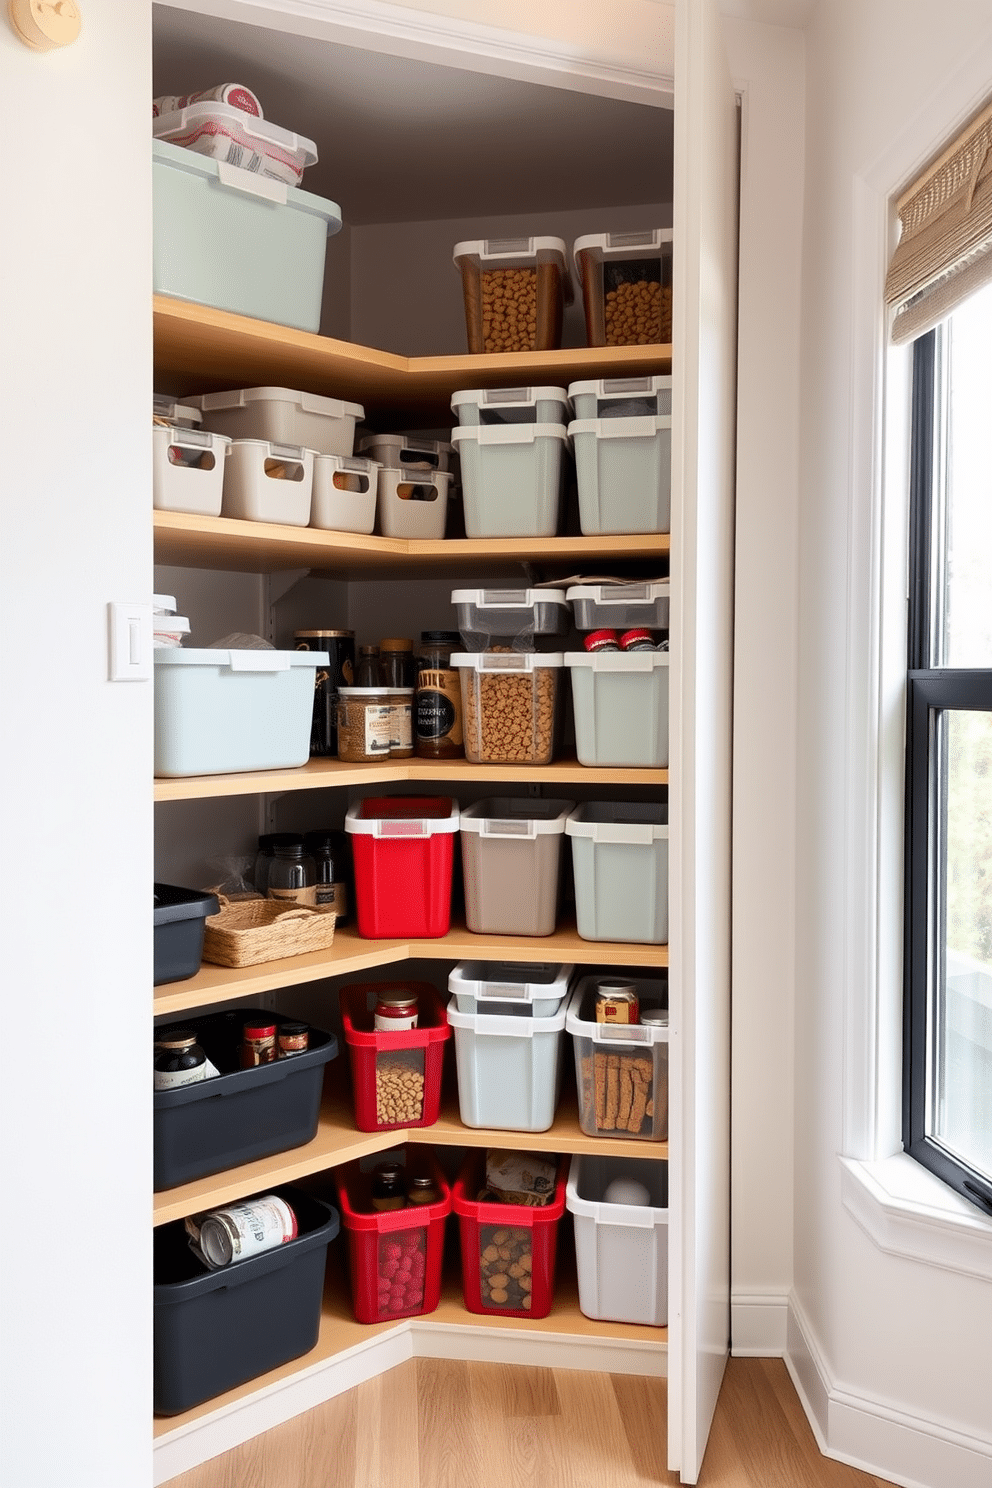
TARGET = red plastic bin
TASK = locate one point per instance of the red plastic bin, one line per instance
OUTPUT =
(403, 852)
(521, 1237)
(381, 1062)
(394, 1258)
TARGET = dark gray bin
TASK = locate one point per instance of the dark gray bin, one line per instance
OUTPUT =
(216, 1329)
(180, 916)
(240, 1115)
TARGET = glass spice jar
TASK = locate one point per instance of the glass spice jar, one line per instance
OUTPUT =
(399, 666)
(438, 701)
(422, 1190)
(329, 851)
(388, 1187)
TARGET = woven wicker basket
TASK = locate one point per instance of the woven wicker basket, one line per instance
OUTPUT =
(264, 930)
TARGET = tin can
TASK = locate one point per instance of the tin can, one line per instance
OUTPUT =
(239, 1231)
(292, 1038)
(340, 672)
(395, 1011)
(637, 640)
(602, 640)
(616, 1002)
(258, 1044)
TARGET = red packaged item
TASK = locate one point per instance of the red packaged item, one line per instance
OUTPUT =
(396, 1077)
(637, 640)
(395, 1256)
(602, 640)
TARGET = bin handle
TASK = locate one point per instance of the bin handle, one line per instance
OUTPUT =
(259, 661)
(233, 178)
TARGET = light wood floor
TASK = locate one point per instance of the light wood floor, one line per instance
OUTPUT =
(435, 1423)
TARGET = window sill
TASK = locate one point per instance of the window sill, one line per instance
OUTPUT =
(908, 1212)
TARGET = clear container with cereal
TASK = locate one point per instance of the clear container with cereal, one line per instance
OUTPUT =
(626, 283)
(509, 706)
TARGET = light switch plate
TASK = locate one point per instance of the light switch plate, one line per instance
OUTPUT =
(131, 642)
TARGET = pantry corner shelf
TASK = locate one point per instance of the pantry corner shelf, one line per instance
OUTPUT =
(322, 774)
(209, 348)
(350, 954)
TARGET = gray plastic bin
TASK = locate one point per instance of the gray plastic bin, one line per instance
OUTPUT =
(503, 986)
(509, 1067)
(620, 701)
(621, 1250)
(621, 1069)
(495, 406)
(520, 615)
(623, 471)
(620, 606)
(512, 478)
(622, 397)
(620, 864)
(511, 856)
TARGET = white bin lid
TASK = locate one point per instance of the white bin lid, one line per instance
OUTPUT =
(305, 402)
(635, 426)
(621, 387)
(510, 816)
(405, 442)
(510, 397)
(517, 252)
(176, 413)
(508, 433)
(507, 1025)
(507, 599)
(506, 661)
(242, 661)
(618, 661)
(510, 981)
(618, 821)
(236, 179)
(184, 438)
(623, 245)
(620, 594)
(399, 818)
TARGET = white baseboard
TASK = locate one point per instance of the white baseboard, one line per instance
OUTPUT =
(759, 1324)
(207, 1437)
(875, 1436)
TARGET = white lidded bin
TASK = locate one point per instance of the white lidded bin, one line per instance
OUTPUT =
(623, 472)
(284, 416)
(620, 866)
(620, 701)
(512, 478)
(218, 712)
(188, 470)
(406, 451)
(517, 614)
(500, 986)
(510, 705)
(509, 1067)
(473, 407)
(229, 134)
(621, 271)
(511, 860)
(621, 1069)
(180, 415)
(225, 237)
(266, 482)
(413, 503)
(622, 397)
(345, 489)
(621, 1249)
(620, 606)
(532, 273)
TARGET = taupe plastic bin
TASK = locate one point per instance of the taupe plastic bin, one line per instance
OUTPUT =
(511, 856)
(620, 702)
(620, 863)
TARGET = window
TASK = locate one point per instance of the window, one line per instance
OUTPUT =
(947, 1101)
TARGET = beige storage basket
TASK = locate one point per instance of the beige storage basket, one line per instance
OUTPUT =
(256, 930)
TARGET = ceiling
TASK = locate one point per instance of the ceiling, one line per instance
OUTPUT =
(403, 140)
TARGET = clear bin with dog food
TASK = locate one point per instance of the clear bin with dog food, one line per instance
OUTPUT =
(509, 706)
(515, 292)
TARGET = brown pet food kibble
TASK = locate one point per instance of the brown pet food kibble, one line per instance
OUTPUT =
(509, 309)
(638, 314)
(509, 717)
(399, 1091)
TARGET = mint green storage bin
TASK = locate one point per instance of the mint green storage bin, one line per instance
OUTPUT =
(620, 865)
(238, 241)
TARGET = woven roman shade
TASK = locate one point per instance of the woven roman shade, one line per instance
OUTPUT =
(945, 249)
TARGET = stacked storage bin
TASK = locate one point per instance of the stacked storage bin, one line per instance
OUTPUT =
(620, 1213)
(621, 1069)
(513, 444)
(509, 1029)
(620, 698)
(187, 461)
(622, 440)
(620, 864)
(414, 484)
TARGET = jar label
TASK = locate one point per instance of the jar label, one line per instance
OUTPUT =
(378, 729)
(439, 706)
(402, 730)
(172, 1079)
(307, 897)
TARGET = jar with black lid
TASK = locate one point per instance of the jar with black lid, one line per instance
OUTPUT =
(340, 672)
(332, 862)
(388, 1187)
(437, 709)
(179, 1060)
(293, 875)
(399, 666)
(267, 844)
(369, 670)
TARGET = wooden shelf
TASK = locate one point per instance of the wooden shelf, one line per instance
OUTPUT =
(322, 774)
(350, 954)
(338, 1141)
(188, 541)
(203, 349)
(339, 1331)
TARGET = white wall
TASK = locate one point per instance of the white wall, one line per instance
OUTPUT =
(892, 1352)
(75, 388)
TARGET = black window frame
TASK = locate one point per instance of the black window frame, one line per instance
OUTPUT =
(929, 691)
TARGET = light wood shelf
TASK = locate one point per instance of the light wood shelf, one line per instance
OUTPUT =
(323, 774)
(203, 348)
(350, 954)
(339, 1332)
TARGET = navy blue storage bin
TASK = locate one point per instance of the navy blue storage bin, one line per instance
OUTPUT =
(216, 1329)
(240, 1115)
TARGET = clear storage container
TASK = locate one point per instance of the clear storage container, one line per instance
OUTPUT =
(266, 482)
(620, 701)
(620, 865)
(511, 860)
(515, 292)
(500, 986)
(284, 416)
(509, 706)
(626, 283)
(620, 606)
(518, 615)
(621, 1069)
(621, 1249)
(230, 135)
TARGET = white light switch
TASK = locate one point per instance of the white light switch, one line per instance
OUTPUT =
(130, 642)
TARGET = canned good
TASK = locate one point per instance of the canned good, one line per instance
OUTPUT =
(240, 1231)
(258, 1044)
(395, 1012)
(292, 1038)
(340, 672)
(616, 1002)
(637, 640)
(602, 640)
